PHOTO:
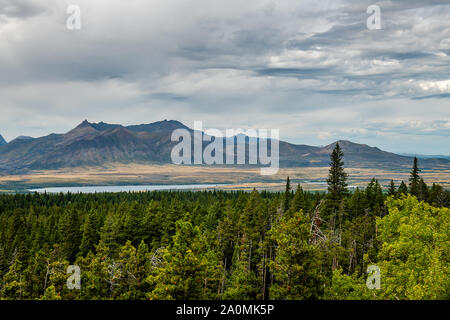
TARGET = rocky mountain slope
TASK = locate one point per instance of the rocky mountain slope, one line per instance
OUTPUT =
(96, 144)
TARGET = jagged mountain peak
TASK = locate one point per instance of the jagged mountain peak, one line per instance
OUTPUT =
(101, 126)
(2, 140)
(83, 124)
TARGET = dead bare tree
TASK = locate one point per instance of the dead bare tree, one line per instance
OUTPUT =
(316, 233)
(157, 258)
(114, 274)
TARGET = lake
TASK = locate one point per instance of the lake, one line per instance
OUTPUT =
(100, 189)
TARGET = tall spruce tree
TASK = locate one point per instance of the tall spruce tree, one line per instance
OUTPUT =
(90, 235)
(414, 179)
(287, 195)
(375, 198)
(184, 270)
(437, 195)
(391, 190)
(70, 234)
(337, 178)
(423, 190)
(298, 202)
(295, 267)
(402, 189)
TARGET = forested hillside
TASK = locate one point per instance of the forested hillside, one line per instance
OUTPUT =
(229, 245)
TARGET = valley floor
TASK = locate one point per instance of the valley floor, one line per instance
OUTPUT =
(244, 178)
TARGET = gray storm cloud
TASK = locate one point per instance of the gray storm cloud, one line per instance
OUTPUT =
(310, 68)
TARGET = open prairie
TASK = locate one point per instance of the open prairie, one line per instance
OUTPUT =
(243, 178)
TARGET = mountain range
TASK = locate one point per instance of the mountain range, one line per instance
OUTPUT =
(425, 156)
(96, 144)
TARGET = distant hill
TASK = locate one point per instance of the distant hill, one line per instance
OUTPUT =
(424, 156)
(2, 140)
(96, 144)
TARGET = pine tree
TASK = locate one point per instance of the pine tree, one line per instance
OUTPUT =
(337, 185)
(295, 268)
(90, 235)
(298, 202)
(287, 195)
(252, 216)
(243, 281)
(70, 234)
(16, 236)
(109, 232)
(392, 191)
(358, 203)
(97, 274)
(132, 225)
(414, 179)
(375, 198)
(227, 231)
(423, 191)
(183, 272)
(402, 189)
(13, 283)
(437, 196)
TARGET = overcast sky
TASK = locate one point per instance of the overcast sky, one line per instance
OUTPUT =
(310, 68)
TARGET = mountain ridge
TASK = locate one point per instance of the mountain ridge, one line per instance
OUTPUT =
(95, 144)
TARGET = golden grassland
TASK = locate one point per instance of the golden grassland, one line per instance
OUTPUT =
(238, 178)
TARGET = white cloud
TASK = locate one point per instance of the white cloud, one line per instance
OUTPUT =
(441, 86)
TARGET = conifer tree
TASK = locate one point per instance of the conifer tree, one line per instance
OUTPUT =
(287, 195)
(227, 231)
(132, 225)
(358, 203)
(298, 202)
(183, 272)
(437, 195)
(423, 190)
(90, 235)
(13, 283)
(392, 191)
(337, 177)
(375, 198)
(414, 179)
(337, 186)
(402, 189)
(295, 267)
(109, 232)
(243, 282)
(70, 234)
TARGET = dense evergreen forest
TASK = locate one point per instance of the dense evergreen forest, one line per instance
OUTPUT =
(230, 245)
